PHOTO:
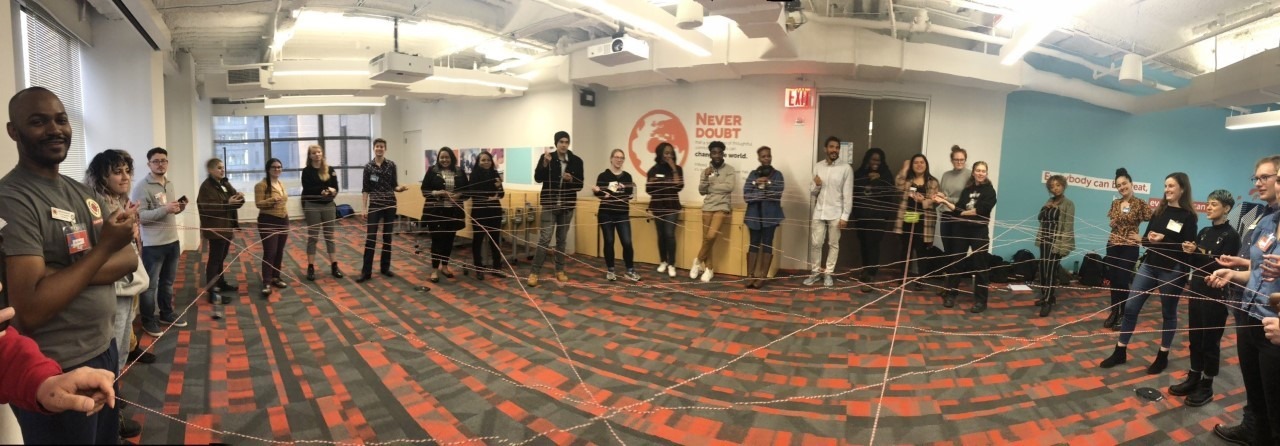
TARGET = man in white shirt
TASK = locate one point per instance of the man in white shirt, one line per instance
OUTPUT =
(832, 192)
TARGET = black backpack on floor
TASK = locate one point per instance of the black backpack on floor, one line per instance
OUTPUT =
(1023, 266)
(999, 268)
(1092, 270)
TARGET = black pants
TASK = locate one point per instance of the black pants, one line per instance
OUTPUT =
(666, 225)
(913, 237)
(1120, 263)
(1260, 369)
(869, 248)
(954, 247)
(274, 232)
(486, 233)
(379, 220)
(218, 249)
(1208, 313)
(1048, 263)
(971, 236)
(442, 247)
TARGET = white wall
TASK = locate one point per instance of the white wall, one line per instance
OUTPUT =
(530, 120)
(186, 157)
(123, 92)
(10, 50)
(969, 117)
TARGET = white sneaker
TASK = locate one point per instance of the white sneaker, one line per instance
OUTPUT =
(671, 271)
(706, 275)
(826, 280)
(694, 270)
(611, 276)
(631, 274)
(813, 278)
(662, 267)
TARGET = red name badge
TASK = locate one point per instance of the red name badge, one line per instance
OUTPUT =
(78, 241)
(1265, 241)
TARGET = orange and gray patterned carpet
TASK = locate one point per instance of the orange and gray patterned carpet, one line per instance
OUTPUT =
(663, 361)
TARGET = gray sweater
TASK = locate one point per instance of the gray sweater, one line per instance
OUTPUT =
(717, 189)
(159, 227)
(951, 184)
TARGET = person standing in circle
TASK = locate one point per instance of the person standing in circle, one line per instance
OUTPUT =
(272, 201)
(763, 194)
(615, 189)
(665, 180)
(443, 187)
(716, 186)
(972, 216)
(874, 190)
(1056, 238)
(560, 173)
(484, 188)
(319, 187)
(1126, 214)
(915, 223)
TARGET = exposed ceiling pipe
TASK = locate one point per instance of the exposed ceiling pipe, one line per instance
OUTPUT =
(1036, 80)
(1242, 23)
(979, 37)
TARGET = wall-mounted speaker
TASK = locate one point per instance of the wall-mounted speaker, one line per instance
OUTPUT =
(586, 97)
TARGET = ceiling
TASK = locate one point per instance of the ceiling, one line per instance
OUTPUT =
(464, 33)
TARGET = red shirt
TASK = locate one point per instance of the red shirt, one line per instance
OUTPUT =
(22, 369)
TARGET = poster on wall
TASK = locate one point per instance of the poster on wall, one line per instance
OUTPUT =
(1095, 183)
(658, 126)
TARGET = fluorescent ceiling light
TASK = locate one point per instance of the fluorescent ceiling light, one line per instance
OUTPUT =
(664, 3)
(321, 73)
(474, 77)
(1041, 18)
(323, 101)
(608, 9)
(1253, 120)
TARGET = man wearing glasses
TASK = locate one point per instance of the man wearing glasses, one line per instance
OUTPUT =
(158, 207)
(952, 183)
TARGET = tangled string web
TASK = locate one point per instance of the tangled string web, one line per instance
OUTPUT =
(657, 361)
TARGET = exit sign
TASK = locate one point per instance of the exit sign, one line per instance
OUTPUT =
(798, 98)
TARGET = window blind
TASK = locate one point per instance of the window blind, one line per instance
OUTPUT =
(52, 60)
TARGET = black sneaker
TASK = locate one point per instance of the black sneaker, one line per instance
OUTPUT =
(138, 355)
(179, 323)
(226, 287)
(129, 428)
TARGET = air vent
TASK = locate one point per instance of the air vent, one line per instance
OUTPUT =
(244, 78)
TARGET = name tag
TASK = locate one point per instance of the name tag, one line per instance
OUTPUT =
(659, 175)
(1124, 209)
(613, 186)
(77, 239)
(161, 198)
(1265, 241)
(373, 178)
(64, 215)
(1251, 227)
(1174, 226)
(224, 189)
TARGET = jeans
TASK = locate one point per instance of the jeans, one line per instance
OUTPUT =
(619, 223)
(73, 427)
(824, 231)
(124, 326)
(320, 218)
(762, 239)
(954, 247)
(274, 232)
(1120, 262)
(666, 226)
(1149, 278)
(379, 220)
(1208, 314)
(214, 267)
(1259, 367)
(555, 222)
(161, 263)
(712, 223)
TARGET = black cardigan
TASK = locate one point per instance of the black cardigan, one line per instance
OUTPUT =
(312, 185)
(482, 186)
(440, 212)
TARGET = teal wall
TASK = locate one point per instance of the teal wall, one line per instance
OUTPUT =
(1047, 132)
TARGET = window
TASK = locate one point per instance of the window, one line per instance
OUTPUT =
(245, 143)
(51, 59)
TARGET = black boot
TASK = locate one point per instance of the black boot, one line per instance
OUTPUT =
(978, 306)
(335, 271)
(948, 299)
(1113, 319)
(1048, 305)
(311, 272)
(1239, 434)
(1184, 388)
(1203, 393)
(1119, 356)
(1157, 366)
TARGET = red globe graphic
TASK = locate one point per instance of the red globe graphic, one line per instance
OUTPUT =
(656, 127)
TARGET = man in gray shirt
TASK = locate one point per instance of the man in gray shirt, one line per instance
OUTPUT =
(158, 207)
(61, 259)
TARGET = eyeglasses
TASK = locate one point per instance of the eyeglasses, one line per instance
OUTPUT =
(958, 160)
(276, 168)
(160, 162)
(1262, 178)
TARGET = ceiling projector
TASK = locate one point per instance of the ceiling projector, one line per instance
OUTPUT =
(619, 50)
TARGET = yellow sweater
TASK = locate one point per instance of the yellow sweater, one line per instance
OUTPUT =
(262, 192)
